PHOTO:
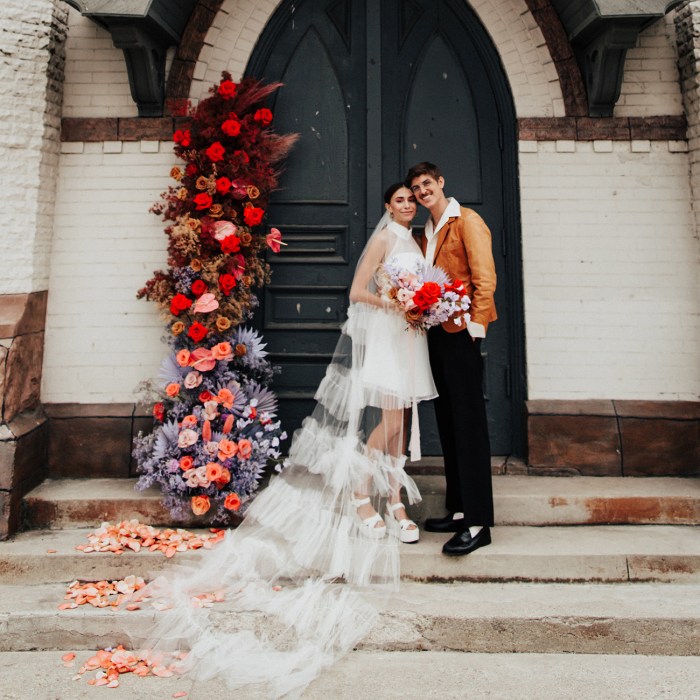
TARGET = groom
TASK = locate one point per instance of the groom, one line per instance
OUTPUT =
(457, 240)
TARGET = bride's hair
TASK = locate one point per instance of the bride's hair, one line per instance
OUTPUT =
(392, 190)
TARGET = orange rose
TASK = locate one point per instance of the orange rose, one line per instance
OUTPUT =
(224, 478)
(173, 389)
(245, 448)
(186, 463)
(222, 351)
(232, 502)
(176, 173)
(200, 504)
(227, 449)
(189, 421)
(225, 397)
(183, 357)
(177, 327)
(213, 472)
(222, 323)
(195, 263)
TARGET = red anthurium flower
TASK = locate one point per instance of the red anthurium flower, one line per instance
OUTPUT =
(274, 240)
(203, 200)
(198, 288)
(227, 89)
(231, 127)
(264, 116)
(179, 303)
(253, 215)
(239, 189)
(223, 185)
(182, 137)
(216, 152)
(197, 331)
(227, 283)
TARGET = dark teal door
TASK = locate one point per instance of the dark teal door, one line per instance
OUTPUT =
(373, 87)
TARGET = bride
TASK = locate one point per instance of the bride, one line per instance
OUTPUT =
(316, 546)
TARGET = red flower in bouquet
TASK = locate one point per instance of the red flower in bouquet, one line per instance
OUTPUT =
(264, 116)
(215, 152)
(232, 501)
(223, 185)
(274, 240)
(191, 169)
(179, 303)
(206, 396)
(197, 332)
(203, 201)
(158, 411)
(231, 127)
(239, 189)
(242, 156)
(427, 295)
(200, 504)
(227, 89)
(182, 138)
(227, 283)
(231, 244)
(198, 288)
(253, 216)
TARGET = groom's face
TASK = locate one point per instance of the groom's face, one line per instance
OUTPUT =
(427, 190)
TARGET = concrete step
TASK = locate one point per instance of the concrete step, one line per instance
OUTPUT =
(659, 619)
(605, 553)
(519, 500)
(408, 676)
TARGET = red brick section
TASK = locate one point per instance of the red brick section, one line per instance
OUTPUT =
(662, 128)
(570, 79)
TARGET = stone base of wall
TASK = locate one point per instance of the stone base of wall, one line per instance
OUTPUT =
(614, 438)
(565, 438)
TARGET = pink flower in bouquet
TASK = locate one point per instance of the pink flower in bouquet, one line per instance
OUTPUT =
(211, 448)
(183, 357)
(274, 240)
(192, 380)
(210, 410)
(223, 229)
(189, 421)
(187, 438)
(405, 296)
(222, 351)
(190, 477)
(205, 304)
(201, 474)
(202, 360)
(213, 471)
(245, 448)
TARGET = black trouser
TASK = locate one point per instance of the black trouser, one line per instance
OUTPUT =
(455, 360)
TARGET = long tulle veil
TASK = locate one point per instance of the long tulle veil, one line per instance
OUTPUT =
(300, 573)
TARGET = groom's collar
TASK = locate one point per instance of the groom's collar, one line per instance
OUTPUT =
(451, 210)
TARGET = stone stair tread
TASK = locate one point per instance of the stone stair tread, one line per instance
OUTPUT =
(590, 553)
(396, 676)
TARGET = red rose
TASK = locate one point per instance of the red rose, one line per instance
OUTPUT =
(231, 127)
(457, 287)
(198, 288)
(253, 215)
(231, 244)
(223, 185)
(179, 303)
(227, 283)
(227, 89)
(203, 200)
(182, 138)
(264, 116)
(232, 501)
(216, 152)
(191, 169)
(242, 155)
(197, 331)
(431, 291)
(158, 411)
(206, 396)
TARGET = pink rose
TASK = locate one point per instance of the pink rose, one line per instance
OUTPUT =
(193, 380)
(186, 438)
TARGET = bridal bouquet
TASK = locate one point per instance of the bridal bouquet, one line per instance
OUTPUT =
(424, 294)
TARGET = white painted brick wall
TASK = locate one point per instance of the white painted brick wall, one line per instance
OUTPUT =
(651, 82)
(32, 35)
(611, 273)
(100, 340)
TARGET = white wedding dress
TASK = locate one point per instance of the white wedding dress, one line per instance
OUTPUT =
(299, 572)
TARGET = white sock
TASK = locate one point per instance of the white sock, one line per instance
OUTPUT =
(474, 530)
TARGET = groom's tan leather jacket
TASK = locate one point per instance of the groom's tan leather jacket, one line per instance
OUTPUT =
(463, 250)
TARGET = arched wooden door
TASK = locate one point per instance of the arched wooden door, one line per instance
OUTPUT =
(373, 87)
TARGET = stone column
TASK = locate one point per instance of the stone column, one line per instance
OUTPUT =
(687, 20)
(31, 91)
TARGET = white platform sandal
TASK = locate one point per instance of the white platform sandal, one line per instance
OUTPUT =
(368, 526)
(405, 534)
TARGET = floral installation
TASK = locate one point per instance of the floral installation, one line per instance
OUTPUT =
(215, 429)
(424, 294)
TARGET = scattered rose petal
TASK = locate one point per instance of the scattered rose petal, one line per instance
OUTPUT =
(68, 657)
(181, 694)
(51, 551)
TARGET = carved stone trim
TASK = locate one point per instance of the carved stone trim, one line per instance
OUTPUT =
(661, 128)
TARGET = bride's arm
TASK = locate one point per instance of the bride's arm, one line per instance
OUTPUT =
(371, 259)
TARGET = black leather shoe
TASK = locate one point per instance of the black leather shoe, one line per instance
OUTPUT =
(446, 524)
(463, 542)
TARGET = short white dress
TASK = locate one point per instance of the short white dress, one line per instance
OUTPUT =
(395, 371)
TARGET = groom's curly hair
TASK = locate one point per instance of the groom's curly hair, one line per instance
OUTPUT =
(424, 168)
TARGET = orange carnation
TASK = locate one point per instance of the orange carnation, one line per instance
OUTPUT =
(232, 501)
(200, 504)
